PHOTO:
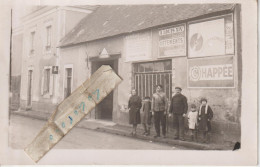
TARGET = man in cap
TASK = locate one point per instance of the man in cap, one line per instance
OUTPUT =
(179, 109)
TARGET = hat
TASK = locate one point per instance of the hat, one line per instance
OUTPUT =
(193, 106)
(203, 99)
(178, 88)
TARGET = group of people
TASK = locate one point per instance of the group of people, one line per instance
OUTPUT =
(156, 109)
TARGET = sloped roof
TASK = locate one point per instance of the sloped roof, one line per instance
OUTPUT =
(113, 20)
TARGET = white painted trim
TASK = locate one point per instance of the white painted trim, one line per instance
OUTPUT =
(77, 9)
(65, 77)
(17, 30)
(38, 17)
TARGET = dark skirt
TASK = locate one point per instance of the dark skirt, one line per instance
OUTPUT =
(134, 117)
(146, 118)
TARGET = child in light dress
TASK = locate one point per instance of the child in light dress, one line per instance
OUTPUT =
(193, 121)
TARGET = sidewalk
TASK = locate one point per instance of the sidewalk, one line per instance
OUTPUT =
(113, 128)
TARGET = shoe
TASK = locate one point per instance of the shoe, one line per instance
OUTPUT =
(182, 139)
(176, 138)
(144, 133)
(164, 136)
(156, 136)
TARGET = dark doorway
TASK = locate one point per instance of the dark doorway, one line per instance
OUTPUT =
(29, 93)
(104, 110)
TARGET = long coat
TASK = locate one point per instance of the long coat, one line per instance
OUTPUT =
(178, 104)
(134, 104)
(146, 114)
(205, 118)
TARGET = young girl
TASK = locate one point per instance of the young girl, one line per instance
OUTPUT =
(193, 121)
(205, 116)
(146, 116)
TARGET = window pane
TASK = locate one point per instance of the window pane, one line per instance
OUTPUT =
(148, 67)
(141, 68)
(167, 65)
(69, 72)
(158, 66)
(135, 67)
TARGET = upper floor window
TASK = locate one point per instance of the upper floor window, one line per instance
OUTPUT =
(48, 41)
(32, 40)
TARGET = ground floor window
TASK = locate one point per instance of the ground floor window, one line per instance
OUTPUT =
(68, 81)
(149, 74)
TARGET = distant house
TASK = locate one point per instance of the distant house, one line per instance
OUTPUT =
(195, 46)
(16, 66)
(40, 74)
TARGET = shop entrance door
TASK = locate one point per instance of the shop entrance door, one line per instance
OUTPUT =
(29, 93)
(104, 110)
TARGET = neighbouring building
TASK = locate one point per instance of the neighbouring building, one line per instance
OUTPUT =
(197, 47)
(15, 71)
(42, 31)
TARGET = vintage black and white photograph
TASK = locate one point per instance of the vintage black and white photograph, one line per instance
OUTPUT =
(180, 65)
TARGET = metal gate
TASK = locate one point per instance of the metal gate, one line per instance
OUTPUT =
(148, 75)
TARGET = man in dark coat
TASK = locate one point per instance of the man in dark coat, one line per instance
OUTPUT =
(179, 109)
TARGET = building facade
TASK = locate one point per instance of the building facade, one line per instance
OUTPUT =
(42, 31)
(168, 45)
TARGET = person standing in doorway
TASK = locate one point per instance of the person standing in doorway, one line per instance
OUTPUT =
(159, 108)
(179, 109)
(134, 106)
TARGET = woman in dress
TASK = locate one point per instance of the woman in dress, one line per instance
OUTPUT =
(134, 106)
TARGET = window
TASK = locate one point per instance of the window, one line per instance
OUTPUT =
(48, 39)
(46, 87)
(47, 82)
(148, 75)
(32, 42)
(68, 82)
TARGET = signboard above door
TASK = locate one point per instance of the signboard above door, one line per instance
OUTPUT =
(172, 41)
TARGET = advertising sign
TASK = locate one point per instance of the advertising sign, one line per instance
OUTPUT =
(211, 72)
(211, 38)
(207, 38)
(172, 41)
(138, 46)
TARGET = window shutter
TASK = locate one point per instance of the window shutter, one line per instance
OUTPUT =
(51, 85)
(42, 85)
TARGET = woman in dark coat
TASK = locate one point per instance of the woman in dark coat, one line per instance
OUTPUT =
(134, 105)
(205, 116)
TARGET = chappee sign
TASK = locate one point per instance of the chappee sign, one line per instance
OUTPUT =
(211, 72)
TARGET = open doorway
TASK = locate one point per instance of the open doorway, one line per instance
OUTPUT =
(104, 110)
